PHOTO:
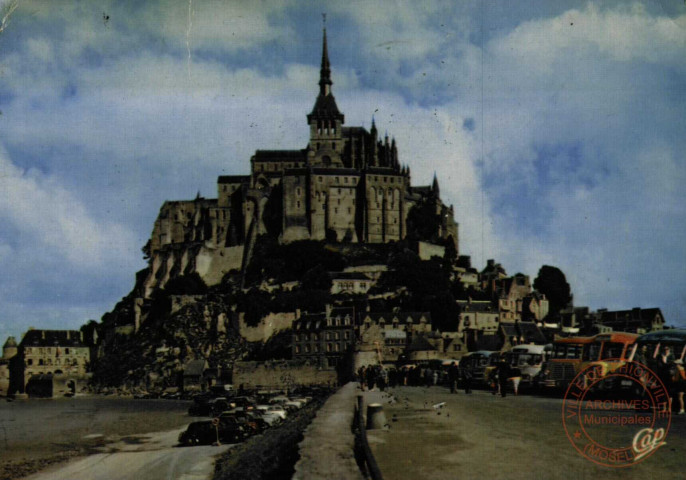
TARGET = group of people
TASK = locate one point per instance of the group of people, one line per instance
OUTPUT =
(370, 376)
(666, 366)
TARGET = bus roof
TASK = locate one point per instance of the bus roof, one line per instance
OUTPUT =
(618, 337)
(536, 349)
(664, 336)
(485, 353)
(574, 340)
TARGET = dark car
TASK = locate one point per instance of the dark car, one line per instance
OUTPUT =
(233, 420)
(199, 433)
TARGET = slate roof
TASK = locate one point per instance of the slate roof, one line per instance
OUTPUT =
(477, 306)
(194, 368)
(325, 108)
(233, 178)
(528, 330)
(51, 338)
(420, 343)
(279, 155)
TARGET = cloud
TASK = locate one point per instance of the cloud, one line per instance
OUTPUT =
(50, 215)
(572, 159)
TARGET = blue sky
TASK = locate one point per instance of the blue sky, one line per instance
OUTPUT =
(557, 130)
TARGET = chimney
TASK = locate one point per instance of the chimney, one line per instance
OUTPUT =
(68, 334)
(42, 334)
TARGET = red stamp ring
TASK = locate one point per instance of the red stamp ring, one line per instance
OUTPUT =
(616, 419)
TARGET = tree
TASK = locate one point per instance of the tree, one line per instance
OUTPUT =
(552, 283)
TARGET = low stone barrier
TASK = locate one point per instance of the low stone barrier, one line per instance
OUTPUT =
(327, 450)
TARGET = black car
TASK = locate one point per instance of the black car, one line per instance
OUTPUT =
(199, 433)
(205, 433)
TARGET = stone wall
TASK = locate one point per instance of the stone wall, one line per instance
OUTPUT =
(327, 449)
(268, 326)
(427, 250)
(281, 374)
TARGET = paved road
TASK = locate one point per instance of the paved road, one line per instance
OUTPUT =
(484, 436)
(153, 456)
(35, 432)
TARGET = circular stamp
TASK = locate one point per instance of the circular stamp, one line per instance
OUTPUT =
(616, 419)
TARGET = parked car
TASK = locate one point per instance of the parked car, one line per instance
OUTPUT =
(278, 410)
(199, 433)
(235, 419)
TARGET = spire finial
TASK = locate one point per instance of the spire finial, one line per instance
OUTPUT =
(325, 72)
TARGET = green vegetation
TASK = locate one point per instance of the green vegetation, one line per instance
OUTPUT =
(553, 284)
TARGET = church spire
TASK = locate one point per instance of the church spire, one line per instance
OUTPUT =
(325, 71)
(434, 186)
(325, 108)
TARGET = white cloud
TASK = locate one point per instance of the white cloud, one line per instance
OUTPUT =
(54, 218)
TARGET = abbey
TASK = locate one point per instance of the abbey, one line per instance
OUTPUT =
(346, 185)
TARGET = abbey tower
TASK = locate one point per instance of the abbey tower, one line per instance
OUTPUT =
(346, 185)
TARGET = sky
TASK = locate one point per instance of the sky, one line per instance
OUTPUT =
(557, 130)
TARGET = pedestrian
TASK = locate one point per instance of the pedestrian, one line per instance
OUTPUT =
(382, 379)
(665, 370)
(466, 375)
(503, 369)
(428, 377)
(453, 376)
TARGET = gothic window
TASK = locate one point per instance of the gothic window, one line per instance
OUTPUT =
(333, 144)
(349, 210)
(297, 191)
(328, 347)
(29, 361)
(298, 204)
(297, 349)
(345, 179)
(307, 349)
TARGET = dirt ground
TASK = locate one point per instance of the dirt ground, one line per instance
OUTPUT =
(485, 436)
(36, 433)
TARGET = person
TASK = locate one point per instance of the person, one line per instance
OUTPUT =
(516, 377)
(503, 369)
(466, 375)
(664, 369)
(492, 381)
(453, 375)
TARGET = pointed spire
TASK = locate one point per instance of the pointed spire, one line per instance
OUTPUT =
(325, 107)
(434, 186)
(325, 71)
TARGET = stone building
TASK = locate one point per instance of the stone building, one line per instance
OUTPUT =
(57, 358)
(346, 185)
(9, 351)
(636, 320)
(324, 339)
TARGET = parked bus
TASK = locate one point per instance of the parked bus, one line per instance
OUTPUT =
(476, 363)
(561, 367)
(528, 359)
(608, 352)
